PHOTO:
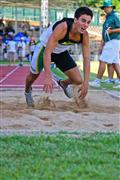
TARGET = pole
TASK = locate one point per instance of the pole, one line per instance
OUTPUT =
(44, 13)
(16, 29)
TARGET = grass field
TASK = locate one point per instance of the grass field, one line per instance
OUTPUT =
(94, 157)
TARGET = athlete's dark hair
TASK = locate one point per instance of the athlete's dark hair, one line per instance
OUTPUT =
(83, 10)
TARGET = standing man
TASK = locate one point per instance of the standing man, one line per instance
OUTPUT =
(21, 46)
(11, 51)
(54, 45)
(110, 45)
(31, 45)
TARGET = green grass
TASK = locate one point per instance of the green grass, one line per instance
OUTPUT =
(6, 62)
(60, 157)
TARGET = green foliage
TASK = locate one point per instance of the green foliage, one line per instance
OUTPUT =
(71, 3)
(60, 157)
(97, 4)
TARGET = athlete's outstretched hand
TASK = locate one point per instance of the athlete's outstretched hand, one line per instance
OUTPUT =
(48, 83)
(83, 90)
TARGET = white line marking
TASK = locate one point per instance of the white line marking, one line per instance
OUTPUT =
(15, 85)
(55, 83)
(117, 96)
(9, 74)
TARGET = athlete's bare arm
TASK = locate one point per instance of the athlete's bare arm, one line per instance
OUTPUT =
(86, 64)
(58, 33)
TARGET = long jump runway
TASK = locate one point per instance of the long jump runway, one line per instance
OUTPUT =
(13, 77)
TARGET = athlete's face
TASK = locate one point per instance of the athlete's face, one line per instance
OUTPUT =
(82, 23)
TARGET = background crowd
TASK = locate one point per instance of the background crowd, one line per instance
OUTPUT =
(15, 46)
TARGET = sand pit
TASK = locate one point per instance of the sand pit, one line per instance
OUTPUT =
(54, 113)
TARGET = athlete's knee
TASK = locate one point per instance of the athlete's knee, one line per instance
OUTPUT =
(32, 77)
(77, 81)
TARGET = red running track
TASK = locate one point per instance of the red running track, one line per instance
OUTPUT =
(14, 77)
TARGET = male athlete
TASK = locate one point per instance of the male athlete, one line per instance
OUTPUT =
(54, 45)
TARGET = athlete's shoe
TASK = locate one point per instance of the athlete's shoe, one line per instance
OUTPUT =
(95, 83)
(68, 90)
(29, 99)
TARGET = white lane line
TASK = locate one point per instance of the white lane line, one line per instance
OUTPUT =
(113, 94)
(16, 85)
(55, 82)
(9, 74)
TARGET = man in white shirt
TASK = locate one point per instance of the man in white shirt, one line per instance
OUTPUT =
(21, 50)
(11, 51)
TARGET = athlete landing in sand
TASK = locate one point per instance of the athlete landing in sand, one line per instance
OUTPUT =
(54, 45)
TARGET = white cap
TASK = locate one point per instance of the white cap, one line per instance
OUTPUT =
(22, 38)
(10, 33)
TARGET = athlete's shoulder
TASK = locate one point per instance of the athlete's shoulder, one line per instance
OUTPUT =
(85, 36)
(64, 23)
(85, 33)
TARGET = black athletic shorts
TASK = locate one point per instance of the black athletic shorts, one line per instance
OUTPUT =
(63, 61)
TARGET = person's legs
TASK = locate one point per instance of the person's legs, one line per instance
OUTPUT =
(110, 69)
(68, 66)
(14, 58)
(29, 81)
(20, 61)
(74, 76)
(101, 70)
(35, 69)
(117, 69)
(10, 58)
(28, 88)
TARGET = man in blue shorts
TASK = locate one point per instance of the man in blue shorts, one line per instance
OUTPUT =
(54, 45)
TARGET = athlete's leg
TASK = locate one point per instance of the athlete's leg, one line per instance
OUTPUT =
(74, 76)
(68, 66)
(35, 69)
(30, 80)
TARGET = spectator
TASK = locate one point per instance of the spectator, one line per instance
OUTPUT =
(32, 45)
(110, 45)
(2, 27)
(9, 30)
(4, 49)
(11, 51)
(21, 47)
